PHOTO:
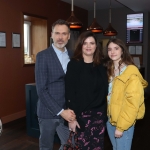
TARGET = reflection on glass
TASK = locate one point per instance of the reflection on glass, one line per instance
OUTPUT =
(27, 37)
(29, 59)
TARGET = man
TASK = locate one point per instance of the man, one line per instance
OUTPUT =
(50, 69)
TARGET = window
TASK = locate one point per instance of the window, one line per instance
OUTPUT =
(27, 46)
(35, 37)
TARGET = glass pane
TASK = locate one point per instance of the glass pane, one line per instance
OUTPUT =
(26, 51)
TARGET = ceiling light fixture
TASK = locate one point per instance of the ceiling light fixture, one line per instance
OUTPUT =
(110, 31)
(73, 22)
(95, 27)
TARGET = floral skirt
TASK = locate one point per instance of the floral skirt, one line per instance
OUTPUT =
(92, 138)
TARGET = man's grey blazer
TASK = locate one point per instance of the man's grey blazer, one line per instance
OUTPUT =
(50, 84)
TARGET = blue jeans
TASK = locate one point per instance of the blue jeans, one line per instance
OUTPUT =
(48, 128)
(122, 143)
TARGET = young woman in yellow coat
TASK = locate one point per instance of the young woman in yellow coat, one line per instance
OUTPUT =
(126, 95)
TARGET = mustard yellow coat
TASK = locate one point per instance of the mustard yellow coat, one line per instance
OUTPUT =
(127, 99)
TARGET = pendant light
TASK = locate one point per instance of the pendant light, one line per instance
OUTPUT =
(110, 31)
(73, 22)
(95, 27)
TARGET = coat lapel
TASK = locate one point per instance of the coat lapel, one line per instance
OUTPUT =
(54, 56)
(70, 53)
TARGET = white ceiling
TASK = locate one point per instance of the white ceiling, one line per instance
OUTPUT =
(135, 5)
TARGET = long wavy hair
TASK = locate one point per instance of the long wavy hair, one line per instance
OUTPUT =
(98, 55)
(125, 57)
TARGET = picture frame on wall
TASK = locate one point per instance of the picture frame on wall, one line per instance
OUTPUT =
(15, 40)
(131, 50)
(138, 50)
(2, 39)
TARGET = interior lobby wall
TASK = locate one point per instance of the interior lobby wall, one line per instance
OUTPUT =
(13, 74)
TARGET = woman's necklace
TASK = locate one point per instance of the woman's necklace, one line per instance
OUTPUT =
(118, 71)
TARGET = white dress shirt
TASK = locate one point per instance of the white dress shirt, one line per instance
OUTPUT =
(63, 57)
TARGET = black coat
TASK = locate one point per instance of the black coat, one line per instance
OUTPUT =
(75, 92)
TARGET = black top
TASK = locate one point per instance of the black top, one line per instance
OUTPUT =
(86, 87)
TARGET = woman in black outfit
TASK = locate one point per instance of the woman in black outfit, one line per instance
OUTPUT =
(86, 91)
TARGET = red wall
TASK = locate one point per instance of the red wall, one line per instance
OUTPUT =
(13, 75)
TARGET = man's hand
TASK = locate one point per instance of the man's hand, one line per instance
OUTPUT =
(72, 125)
(68, 115)
(118, 134)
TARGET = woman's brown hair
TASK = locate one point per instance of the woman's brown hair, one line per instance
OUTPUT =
(125, 57)
(98, 55)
